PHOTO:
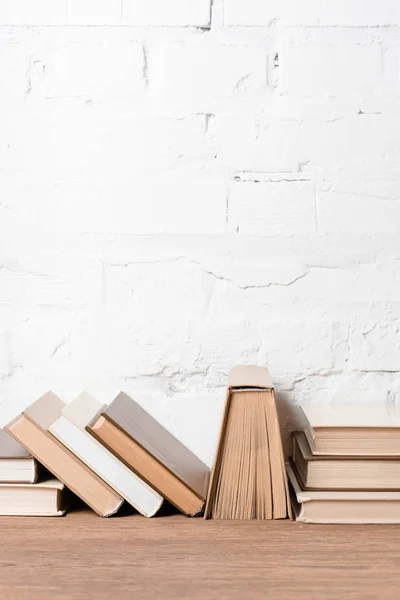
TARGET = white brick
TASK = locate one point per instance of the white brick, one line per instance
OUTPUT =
(339, 69)
(63, 282)
(366, 338)
(202, 68)
(88, 144)
(126, 207)
(5, 365)
(359, 207)
(33, 12)
(181, 13)
(94, 12)
(14, 76)
(357, 13)
(263, 146)
(357, 145)
(79, 69)
(275, 208)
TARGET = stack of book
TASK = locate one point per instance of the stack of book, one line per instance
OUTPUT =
(346, 465)
(108, 454)
(20, 491)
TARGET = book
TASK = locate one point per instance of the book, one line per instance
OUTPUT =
(249, 479)
(44, 499)
(343, 473)
(153, 453)
(31, 429)
(17, 465)
(343, 506)
(352, 429)
(70, 430)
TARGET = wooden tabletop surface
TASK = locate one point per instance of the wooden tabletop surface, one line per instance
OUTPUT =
(173, 557)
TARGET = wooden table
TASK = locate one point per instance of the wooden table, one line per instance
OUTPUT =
(173, 557)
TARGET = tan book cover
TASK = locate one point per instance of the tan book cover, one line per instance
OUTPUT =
(248, 480)
(17, 465)
(352, 429)
(324, 472)
(153, 453)
(30, 429)
(343, 506)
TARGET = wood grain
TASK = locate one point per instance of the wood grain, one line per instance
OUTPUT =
(82, 556)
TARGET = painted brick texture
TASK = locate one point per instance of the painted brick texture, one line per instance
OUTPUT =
(187, 185)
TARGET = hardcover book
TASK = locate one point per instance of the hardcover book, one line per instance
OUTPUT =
(17, 465)
(45, 499)
(31, 430)
(249, 479)
(343, 506)
(70, 430)
(153, 453)
(352, 429)
(325, 472)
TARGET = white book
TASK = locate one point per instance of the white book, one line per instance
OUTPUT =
(70, 430)
(45, 499)
(348, 430)
(343, 506)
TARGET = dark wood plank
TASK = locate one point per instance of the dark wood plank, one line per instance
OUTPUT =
(172, 557)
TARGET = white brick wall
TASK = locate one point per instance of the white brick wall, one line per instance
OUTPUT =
(184, 187)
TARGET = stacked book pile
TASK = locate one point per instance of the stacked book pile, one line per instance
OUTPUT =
(110, 454)
(346, 465)
(20, 491)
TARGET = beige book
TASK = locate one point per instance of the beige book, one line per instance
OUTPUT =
(153, 453)
(30, 429)
(16, 464)
(70, 430)
(336, 429)
(48, 498)
(320, 472)
(343, 506)
(249, 480)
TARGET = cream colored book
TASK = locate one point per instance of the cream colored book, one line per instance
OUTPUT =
(248, 480)
(343, 507)
(70, 430)
(31, 430)
(45, 499)
(370, 430)
(324, 472)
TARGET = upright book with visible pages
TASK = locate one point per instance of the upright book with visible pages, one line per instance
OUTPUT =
(45, 499)
(31, 429)
(153, 453)
(343, 506)
(249, 479)
(17, 465)
(70, 430)
(347, 429)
